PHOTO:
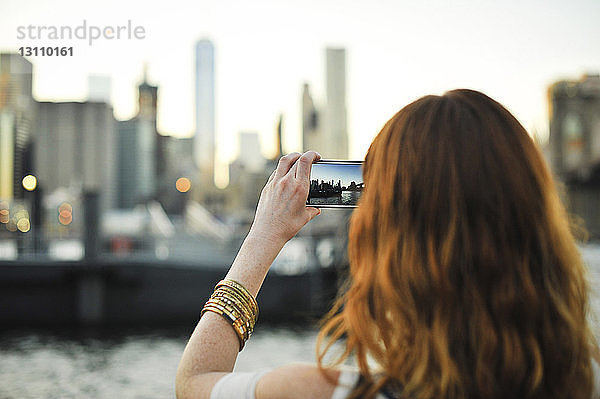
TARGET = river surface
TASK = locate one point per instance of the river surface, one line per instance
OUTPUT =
(142, 364)
(347, 198)
(134, 365)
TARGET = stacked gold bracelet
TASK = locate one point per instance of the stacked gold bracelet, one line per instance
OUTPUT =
(233, 301)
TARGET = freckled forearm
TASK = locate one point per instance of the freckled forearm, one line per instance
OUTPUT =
(253, 261)
(214, 345)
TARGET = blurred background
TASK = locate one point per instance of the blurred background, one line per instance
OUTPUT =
(135, 139)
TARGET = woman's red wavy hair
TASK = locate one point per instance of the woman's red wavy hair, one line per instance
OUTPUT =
(465, 280)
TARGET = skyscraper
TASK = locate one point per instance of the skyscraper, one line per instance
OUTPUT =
(311, 134)
(575, 145)
(75, 148)
(575, 128)
(336, 135)
(325, 130)
(204, 140)
(138, 154)
(279, 137)
(17, 115)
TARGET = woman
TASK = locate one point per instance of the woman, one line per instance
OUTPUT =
(465, 281)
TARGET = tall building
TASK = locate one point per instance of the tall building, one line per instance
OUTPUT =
(335, 135)
(17, 116)
(250, 154)
(247, 177)
(311, 134)
(179, 163)
(575, 145)
(204, 139)
(76, 148)
(575, 128)
(279, 137)
(325, 130)
(139, 157)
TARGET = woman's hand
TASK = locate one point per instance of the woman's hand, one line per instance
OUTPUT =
(282, 209)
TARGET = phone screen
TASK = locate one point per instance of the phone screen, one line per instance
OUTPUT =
(335, 184)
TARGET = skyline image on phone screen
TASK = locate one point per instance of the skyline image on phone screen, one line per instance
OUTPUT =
(335, 184)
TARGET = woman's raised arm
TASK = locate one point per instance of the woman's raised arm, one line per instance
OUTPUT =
(281, 212)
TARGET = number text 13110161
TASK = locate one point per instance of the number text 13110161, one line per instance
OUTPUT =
(46, 51)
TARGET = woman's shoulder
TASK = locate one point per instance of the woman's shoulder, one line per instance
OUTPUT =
(309, 381)
(286, 382)
(298, 380)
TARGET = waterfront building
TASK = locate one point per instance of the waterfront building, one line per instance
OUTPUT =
(139, 156)
(75, 148)
(325, 130)
(247, 176)
(17, 118)
(311, 134)
(574, 144)
(575, 127)
(176, 178)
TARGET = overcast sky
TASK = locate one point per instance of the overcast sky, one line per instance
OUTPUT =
(397, 51)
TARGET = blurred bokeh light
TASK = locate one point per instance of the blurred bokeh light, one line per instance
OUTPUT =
(183, 184)
(65, 213)
(29, 182)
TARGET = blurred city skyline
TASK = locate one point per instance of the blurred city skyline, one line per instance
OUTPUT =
(266, 50)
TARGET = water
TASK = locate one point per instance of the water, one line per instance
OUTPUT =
(143, 364)
(347, 198)
(139, 365)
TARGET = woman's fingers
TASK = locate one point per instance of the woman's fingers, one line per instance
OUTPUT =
(304, 164)
(295, 164)
(285, 163)
(271, 176)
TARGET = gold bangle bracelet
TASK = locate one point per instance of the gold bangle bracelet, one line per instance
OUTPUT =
(234, 297)
(237, 318)
(235, 303)
(232, 301)
(242, 290)
(230, 319)
(241, 318)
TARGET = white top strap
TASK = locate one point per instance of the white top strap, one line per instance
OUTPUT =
(237, 385)
(346, 382)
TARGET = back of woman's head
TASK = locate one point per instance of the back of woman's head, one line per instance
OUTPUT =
(464, 277)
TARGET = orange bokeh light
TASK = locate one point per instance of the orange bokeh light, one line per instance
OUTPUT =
(65, 207)
(183, 184)
(65, 219)
(4, 216)
(65, 213)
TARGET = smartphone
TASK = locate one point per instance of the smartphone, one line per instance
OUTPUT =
(335, 184)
